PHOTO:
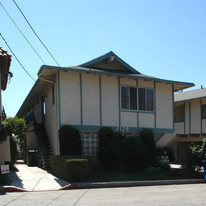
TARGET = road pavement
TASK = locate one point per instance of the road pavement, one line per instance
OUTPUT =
(189, 194)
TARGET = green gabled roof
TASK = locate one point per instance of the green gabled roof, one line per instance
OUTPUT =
(106, 56)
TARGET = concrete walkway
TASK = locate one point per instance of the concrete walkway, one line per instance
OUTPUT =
(34, 179)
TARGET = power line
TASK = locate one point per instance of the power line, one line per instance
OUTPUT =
(16, 56)
(35, 33)
(22, 33)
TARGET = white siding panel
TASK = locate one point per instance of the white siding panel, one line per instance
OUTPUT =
(70, 98)
(164, 106)
(110, 101)
(145, 84)
(146, 120)
(90, 99)
(195, 117)
(128, 119)
(128, 82)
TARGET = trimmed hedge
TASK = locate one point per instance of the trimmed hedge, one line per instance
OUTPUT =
(73, 168)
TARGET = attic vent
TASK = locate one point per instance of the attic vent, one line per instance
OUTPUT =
(110, 59)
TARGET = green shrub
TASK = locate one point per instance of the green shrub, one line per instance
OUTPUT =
(147, 138)
(134, 152)
(106, 136)
(13, 149)
(3, 133)
(70, 141)
(73, 168)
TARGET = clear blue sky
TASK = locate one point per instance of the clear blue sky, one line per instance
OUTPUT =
(161, 38)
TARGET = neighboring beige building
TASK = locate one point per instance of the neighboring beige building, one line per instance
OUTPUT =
(103, 92)
(5, 61)
(190, 123)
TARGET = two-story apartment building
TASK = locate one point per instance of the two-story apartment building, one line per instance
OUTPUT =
(190, 123)
(105, 91)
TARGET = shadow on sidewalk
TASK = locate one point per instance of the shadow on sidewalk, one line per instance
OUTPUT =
(15, 180)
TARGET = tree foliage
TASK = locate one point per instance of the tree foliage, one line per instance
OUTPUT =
(17, 127)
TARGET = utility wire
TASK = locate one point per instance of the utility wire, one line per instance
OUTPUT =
(16, 56)
(35, 33)
(22, 33)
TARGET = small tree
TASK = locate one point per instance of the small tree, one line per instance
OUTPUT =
(17, 127)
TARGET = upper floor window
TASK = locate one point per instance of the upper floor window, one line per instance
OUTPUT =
(146, 99)
(203, 111)
(130, 100)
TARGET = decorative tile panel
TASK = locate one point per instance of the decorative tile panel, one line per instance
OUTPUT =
(90, 143)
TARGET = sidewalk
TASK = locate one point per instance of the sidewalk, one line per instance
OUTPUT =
(34, 179)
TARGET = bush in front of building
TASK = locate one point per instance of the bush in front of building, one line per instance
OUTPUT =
(118, 152)
(72, 168)
(104, 154)
(3, 133)
(150, 155)
(70, 141)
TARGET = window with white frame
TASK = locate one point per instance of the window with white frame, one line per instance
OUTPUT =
(146, 99)
(133, 98)
(129, 98)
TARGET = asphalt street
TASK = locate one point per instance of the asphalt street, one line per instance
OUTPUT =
(188, 194)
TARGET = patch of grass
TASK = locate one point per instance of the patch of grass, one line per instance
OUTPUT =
(4, 180)
(114, 176)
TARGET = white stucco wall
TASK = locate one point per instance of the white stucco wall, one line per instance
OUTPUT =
(70, 98)
(147, 120)
(5, 154)
(110, 101)
(51, 119)
(195, 117)
(128, 119)
(90, 99)
(164, 106)
(80, 95)
(37, 110)
(31, 141)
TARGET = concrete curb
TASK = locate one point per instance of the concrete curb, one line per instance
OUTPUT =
(13, 189)
(90, 185)
(131, 183)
